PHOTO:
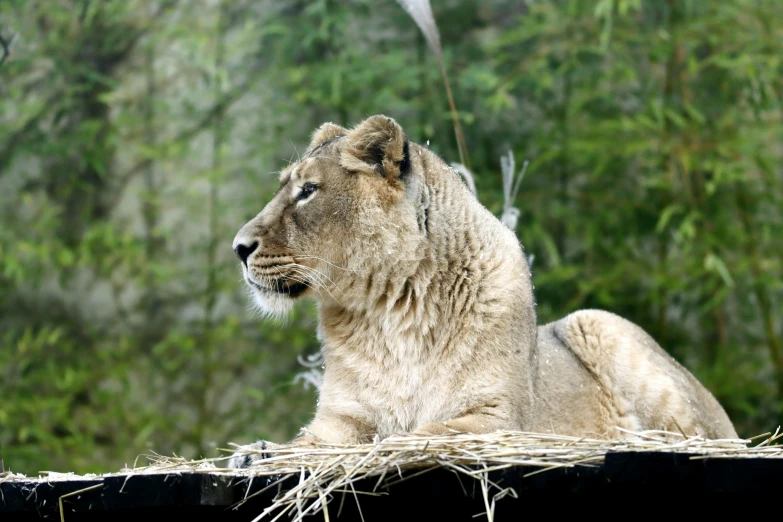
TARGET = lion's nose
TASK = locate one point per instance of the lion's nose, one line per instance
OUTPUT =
(243, 251)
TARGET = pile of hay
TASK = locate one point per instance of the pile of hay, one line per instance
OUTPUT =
(327, 470)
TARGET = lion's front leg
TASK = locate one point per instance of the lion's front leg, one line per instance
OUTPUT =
(325, 428)
(473, 423)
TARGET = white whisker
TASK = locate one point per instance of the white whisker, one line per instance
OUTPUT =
(303, 280)
(320, 275)
(330, 264)
(307, 271)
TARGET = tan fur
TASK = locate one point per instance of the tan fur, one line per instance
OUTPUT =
(426, 311)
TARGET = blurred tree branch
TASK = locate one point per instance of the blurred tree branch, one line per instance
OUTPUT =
(16, 138)
(6, 50)
(6, 45)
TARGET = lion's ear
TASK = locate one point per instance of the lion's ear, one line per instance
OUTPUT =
(326, 132)
(377, 145)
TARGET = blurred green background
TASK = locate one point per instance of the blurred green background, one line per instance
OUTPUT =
(137, 136)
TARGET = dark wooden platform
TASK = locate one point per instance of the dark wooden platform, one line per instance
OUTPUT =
(650, 484)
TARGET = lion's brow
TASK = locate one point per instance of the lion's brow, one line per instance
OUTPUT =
(283, 183)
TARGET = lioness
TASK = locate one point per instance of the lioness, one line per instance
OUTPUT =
(426, 311)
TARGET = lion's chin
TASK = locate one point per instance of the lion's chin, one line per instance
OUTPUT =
(271, 305)
(275, 303)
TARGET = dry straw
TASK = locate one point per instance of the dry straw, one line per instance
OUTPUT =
(421, 13)
(328, 472)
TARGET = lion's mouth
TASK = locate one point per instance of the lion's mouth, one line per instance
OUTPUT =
(282, 286)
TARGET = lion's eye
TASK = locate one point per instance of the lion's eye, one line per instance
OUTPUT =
(306, 191)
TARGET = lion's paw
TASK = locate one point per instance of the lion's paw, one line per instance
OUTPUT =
(248, 456)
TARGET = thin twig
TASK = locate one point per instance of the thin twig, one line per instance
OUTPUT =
(60, 500)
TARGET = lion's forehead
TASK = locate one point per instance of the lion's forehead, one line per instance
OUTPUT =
(306, 168)
(309, 163)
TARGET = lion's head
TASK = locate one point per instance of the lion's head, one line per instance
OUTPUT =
(350, 205)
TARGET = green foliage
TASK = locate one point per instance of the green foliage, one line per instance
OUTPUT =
(137, 136)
